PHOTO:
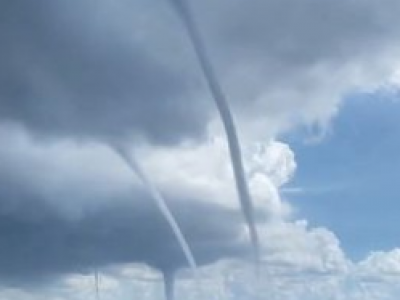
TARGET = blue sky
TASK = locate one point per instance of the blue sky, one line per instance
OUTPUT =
(350, 177)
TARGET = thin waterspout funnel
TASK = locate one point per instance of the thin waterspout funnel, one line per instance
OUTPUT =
(169, 280)
(96, 282)
(130, 160)
(227, 119)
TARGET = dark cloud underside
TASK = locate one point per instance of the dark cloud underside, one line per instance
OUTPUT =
(66, 69)
(37, 242)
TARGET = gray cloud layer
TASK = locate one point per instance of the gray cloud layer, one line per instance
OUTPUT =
(38, 242)
(53, 223)
(69, 69)
(93, 69)
(287, 61)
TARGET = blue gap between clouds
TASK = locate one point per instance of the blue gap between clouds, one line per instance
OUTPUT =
(351, 178)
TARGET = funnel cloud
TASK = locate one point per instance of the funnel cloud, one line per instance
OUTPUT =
(227, 119)
(130, 160)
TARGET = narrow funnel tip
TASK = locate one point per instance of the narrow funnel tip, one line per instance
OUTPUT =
(169, 282)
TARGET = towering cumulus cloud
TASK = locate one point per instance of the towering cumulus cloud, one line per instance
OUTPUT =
(227, 118)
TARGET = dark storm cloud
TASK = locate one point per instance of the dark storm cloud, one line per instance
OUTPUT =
(300, 49)
(98, 69)
(69, 68)
(298, 34)
(55, 219)
(37, 242)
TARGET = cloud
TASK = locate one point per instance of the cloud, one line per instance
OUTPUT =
(78, 70)
(286, 63)
(62, 193)
(303, 277)
(59, 217)
(67, 207)
(95, 71)
(99, 70)
(381, 265)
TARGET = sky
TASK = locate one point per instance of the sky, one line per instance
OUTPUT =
(313, 86)
(354, 169)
